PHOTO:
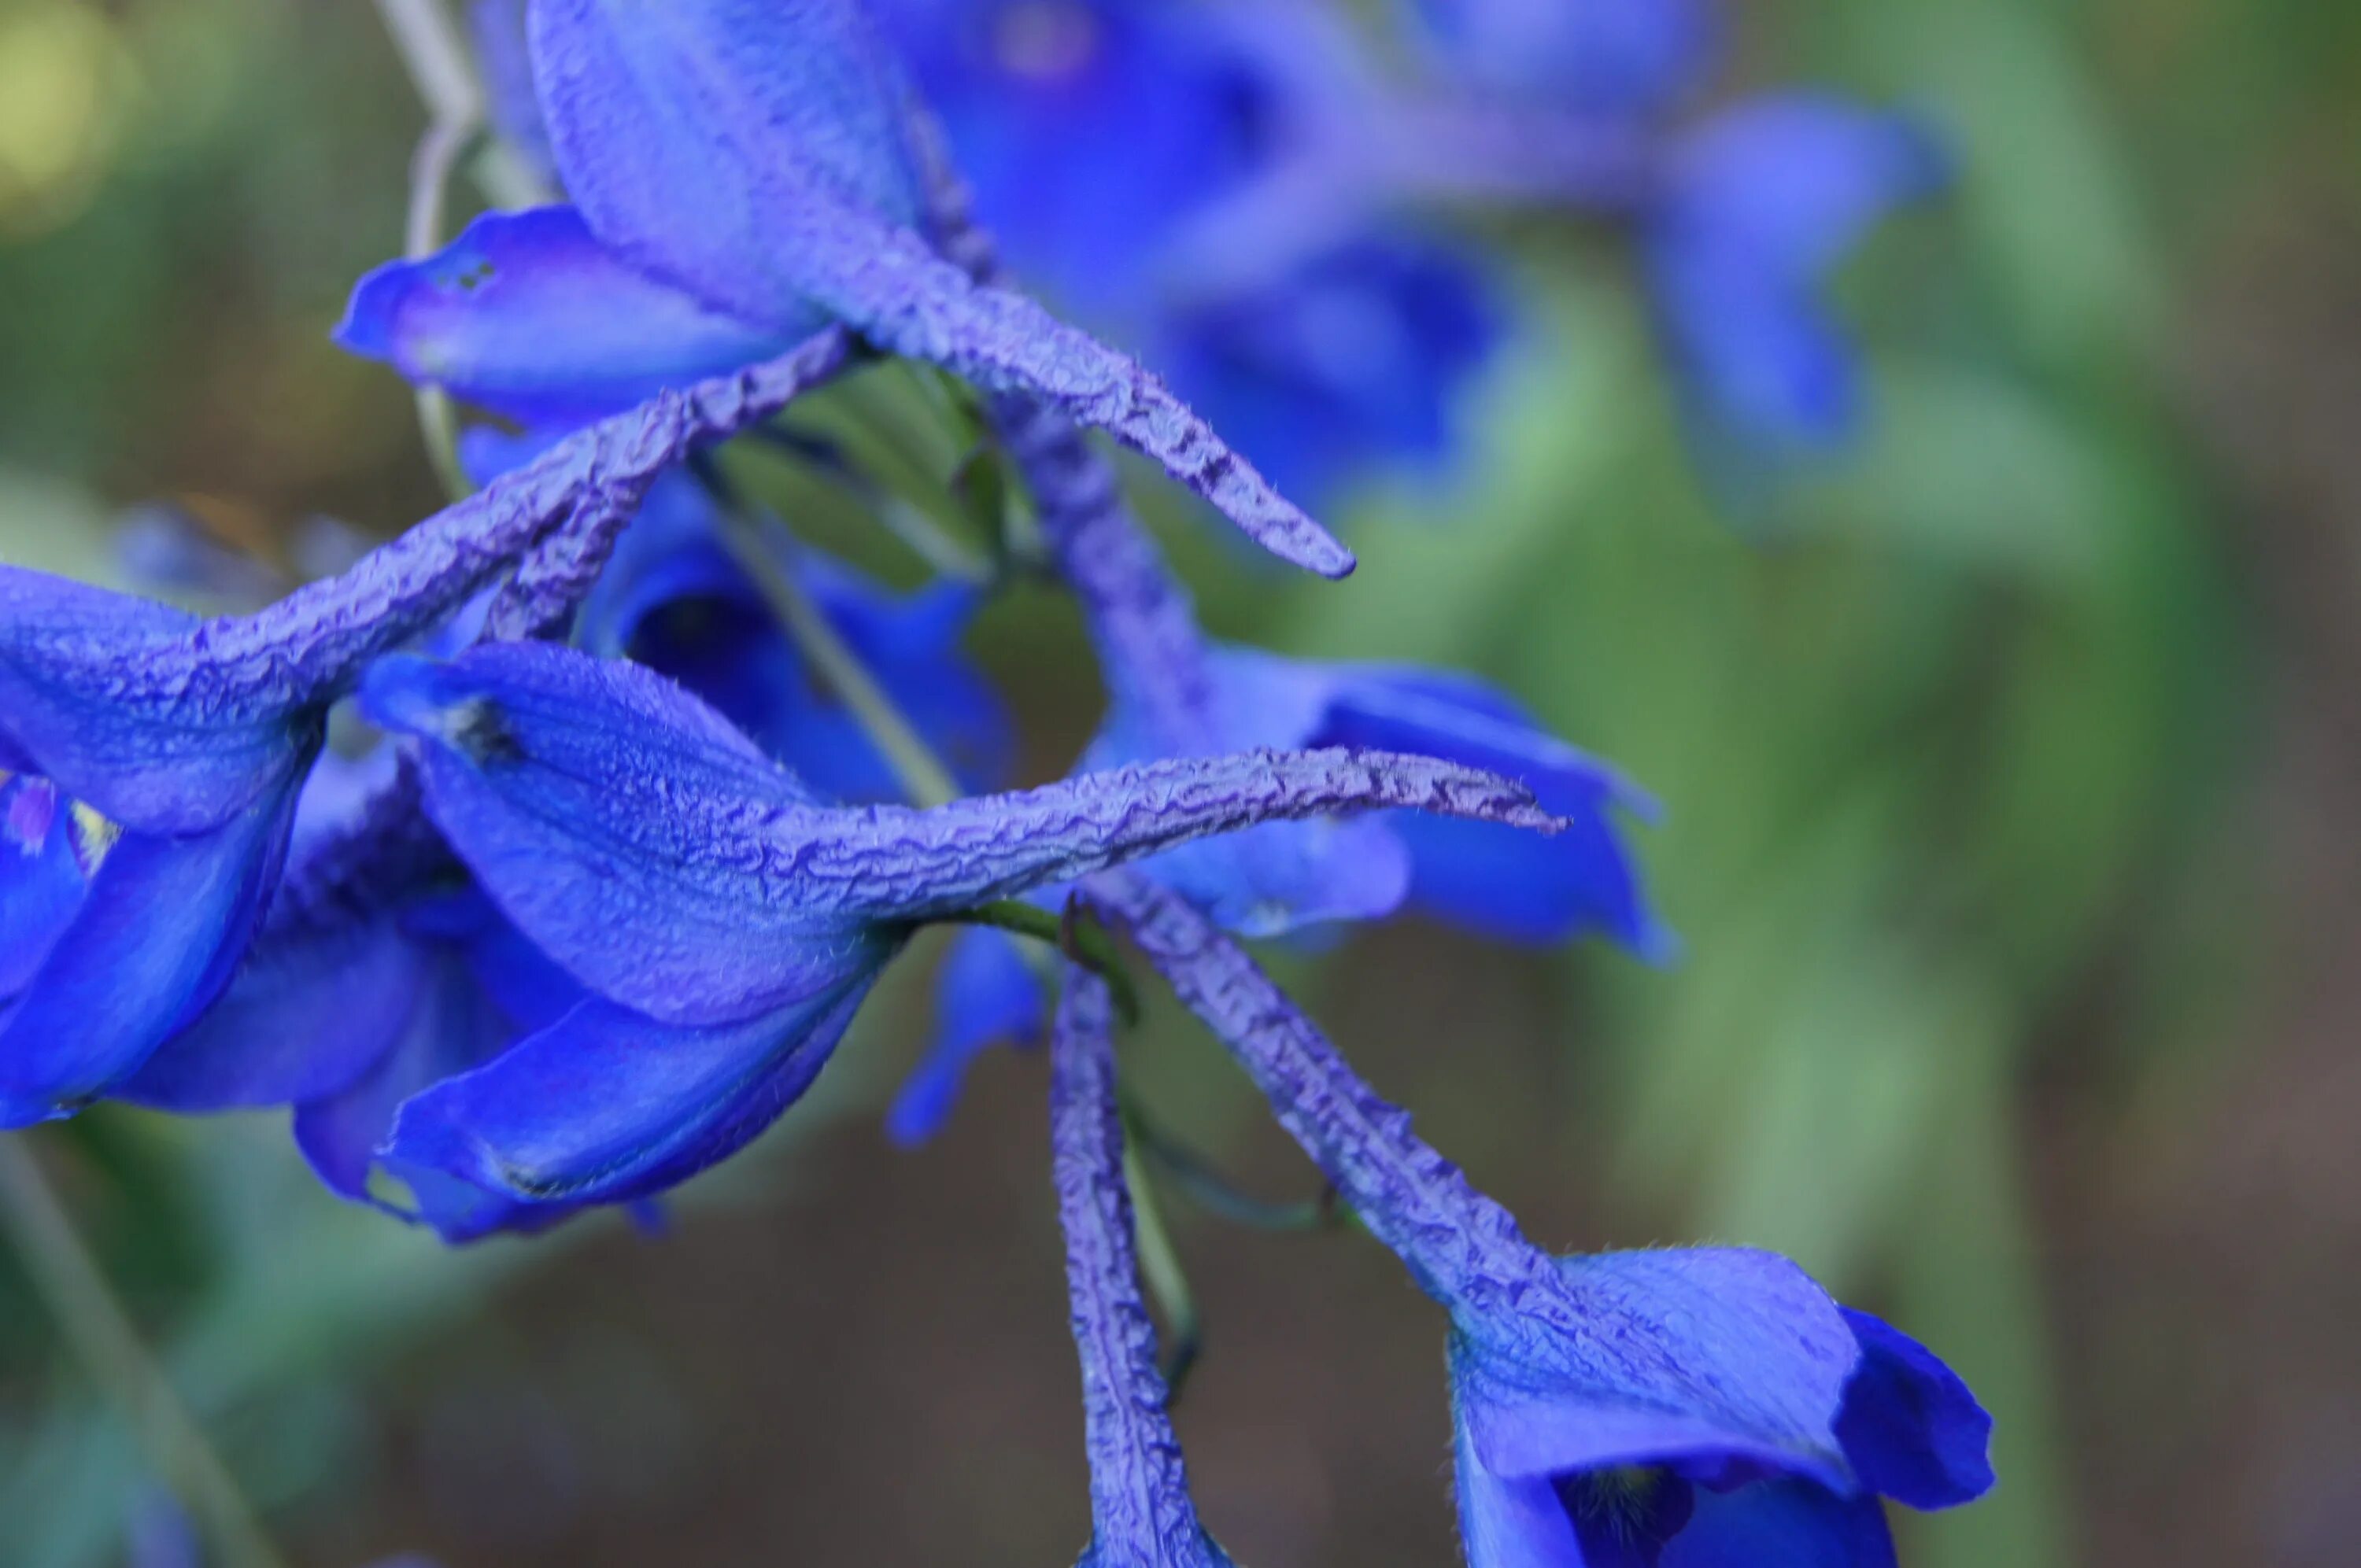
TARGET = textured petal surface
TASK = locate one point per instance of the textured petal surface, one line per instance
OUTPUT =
(77, 706)
(528, 315)
(753, 153)
(984, 993)
(653, 851)
(1910, 1425)
(1648, 1357)
(607, 1105)
(154, 941)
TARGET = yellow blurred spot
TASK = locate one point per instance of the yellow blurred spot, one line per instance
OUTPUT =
(94, 835)
(63, 76)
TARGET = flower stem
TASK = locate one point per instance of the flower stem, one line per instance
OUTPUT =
(1210, 1190)
(100, 1336)
(1160, 1265)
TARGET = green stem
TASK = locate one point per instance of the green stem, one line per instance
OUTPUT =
(1084, 940)
(763, 548)
(1208, 1190)
(1159, 1264)
(100, 1336)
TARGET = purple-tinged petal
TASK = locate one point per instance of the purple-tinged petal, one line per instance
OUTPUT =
(1141, 1510)
(1644, 1357)
(1782, 1524)
(756, 154)
(42, 880)
(152, 943)
(528, 315)
(607, 1105)
(1910, 1426)
(984, 993)
(1510, 1521)
(652, 852)
(1613, 57)
(78, 706)
(498, 30)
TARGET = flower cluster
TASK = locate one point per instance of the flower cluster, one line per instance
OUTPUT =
(657, 792)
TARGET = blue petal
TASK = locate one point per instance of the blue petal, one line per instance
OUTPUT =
(1782, 1524)
(1756, 207)
(498, 30)
(1610, 56)
(42, 880)
(528, 315)
(1498, 881)
(1510, 1521)
(155, 940)
(754, 153)
(1910, 1426)
(75, 706)
(607, 1105)
(1357, 357)
(652, 852)
(1716, 1353)
(986, 993)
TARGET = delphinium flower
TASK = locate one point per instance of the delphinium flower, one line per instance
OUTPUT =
(1701, 1408)
(174, 749)
(1141, 1514)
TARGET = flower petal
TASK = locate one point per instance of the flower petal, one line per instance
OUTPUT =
(1680, 1353)
(756, 154)
(1782, 1524)
(1617, 57)
(156, 940)
(606, 1105)
(1510, 1521)
(986, 993)
(653, 853)
(1910, 1426)
(528, 315)
(75, 708)
(42, 881)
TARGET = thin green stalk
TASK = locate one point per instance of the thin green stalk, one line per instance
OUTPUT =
(1159, 1264)
(99, 1333)
(1208, 1190)
(761, 545)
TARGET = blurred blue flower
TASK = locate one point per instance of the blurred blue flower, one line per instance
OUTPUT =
(1702, 1409)
(1614, 57)
(1754, 209)
(726, 923)
(1141, 1513)
(984, 993)
(1355, 357)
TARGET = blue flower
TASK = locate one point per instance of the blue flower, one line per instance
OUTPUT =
(1616, 57)
(1751, 210)
(984, 993)
(176, 748)
(726, 923)
(1141, 1513)
(1701, 1408)
(675, 598)
(738, 173)
(1089, 130)
(1355, 356)
(1276, 879)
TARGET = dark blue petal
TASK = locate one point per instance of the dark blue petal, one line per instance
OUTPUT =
(154, 941)
(1782, 1524)
(754, 153)
(1910, 1426)
(607, 1105)
(74, 707)
(528, 315)
(1358, 356)
(984, 993)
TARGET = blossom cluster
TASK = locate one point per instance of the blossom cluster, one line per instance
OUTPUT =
(656, 792)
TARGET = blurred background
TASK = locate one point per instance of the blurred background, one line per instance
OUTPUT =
(2011, 782)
